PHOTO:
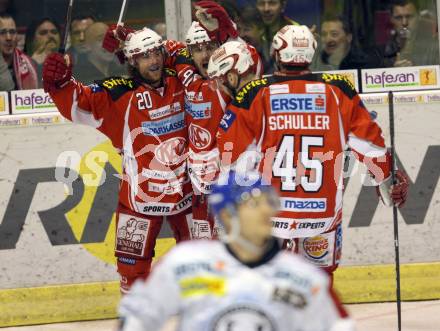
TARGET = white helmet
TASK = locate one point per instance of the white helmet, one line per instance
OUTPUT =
(140, 42)
(294, 45)
(233, 55)
(196, 34)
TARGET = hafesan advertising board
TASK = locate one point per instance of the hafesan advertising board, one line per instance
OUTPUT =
(4, 103)
(31, 101)
(400, 79)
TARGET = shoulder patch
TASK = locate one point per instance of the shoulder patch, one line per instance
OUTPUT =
(170, 72)
(248, 92)
(116, 86)
(184, 52)
(341, 81)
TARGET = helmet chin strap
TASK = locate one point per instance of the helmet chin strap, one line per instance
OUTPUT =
(234, 236)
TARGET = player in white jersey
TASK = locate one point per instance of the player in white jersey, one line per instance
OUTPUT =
(242, 283)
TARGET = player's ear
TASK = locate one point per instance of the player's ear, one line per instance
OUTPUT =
(232, 78)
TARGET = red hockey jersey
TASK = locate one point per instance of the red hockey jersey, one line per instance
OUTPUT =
(204, 108)
(301, 125)
(147, 126)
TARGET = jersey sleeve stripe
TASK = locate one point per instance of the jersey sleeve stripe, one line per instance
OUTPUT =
(82, 116)
(365, 148)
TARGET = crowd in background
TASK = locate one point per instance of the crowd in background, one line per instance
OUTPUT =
(354, 35)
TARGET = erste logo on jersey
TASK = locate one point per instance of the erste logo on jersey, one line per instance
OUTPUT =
(227, 120)
(198, 111)
(199, 137)
(171, 151)
(298, 103)
(165, 126)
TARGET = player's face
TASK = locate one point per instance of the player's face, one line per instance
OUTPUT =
(150, 66)
(270, 10)
(201, 54)
(255, 217)
(334, 38)
(47, 37)
(78, 34)
(8, 36)
(404, 17)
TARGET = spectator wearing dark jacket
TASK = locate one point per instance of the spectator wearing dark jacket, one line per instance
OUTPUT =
(412, 41)
(337, 52)
(273, 19)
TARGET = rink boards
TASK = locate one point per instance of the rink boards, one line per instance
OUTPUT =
(56, 249)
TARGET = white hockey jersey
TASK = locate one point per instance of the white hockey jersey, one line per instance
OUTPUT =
(212, 290)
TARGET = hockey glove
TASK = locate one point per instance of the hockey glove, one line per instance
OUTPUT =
(216, 21)
(394, 194)
(173, 46)
(112, 40)
(57, 71)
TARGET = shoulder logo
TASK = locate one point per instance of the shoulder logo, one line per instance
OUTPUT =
(111, 83)
(248, 87)
(328, 78)
(184, 52)
(170, 72)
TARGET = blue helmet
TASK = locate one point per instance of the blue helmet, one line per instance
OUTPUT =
(233, 188)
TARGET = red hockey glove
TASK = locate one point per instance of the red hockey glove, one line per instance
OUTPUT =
(112, 40)
(399, 191)
(394, 194)
(110, 43)
(57, 71)
(173, 46)
(216, 21)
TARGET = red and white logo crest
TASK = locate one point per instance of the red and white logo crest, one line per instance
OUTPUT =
(171, 151)
(199, 137)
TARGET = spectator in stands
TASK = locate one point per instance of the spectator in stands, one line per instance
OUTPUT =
(17, 70)
(337, 52)
(42, 38)
(412, 40)
(98, 63)
(77, 36)
(273, 19)
(248, 26)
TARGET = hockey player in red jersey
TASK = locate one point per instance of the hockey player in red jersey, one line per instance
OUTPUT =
(205, 103)
(143, 116)
(301, 123)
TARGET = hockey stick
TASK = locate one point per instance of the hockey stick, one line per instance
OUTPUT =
(122, 13)
(395, 220)
(62, 48)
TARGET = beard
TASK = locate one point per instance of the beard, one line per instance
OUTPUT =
(152, 75)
